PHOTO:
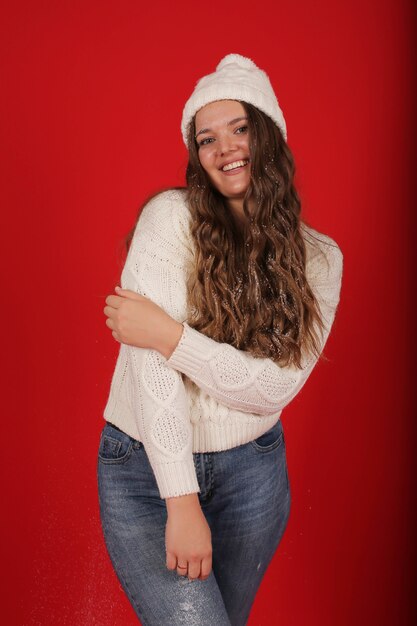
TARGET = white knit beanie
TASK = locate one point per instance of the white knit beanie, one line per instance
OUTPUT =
(236, 78)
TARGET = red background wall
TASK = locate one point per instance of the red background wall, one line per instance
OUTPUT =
(91, 101)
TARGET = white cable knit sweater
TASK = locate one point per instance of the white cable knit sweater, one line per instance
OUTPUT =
(208, 395)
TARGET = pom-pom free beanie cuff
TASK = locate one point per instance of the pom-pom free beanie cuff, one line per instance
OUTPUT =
(236, 78)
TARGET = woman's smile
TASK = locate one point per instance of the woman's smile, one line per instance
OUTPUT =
(234, 167)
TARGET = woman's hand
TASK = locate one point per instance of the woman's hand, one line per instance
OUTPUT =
(188, 538)
(137, 321)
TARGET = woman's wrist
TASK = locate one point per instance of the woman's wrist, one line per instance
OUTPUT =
(169, 338)
(182, 503)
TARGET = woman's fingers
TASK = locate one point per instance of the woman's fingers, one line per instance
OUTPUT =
(206, 566)
(194, 569)
(182, 567)
(108, 311)
(109, 322)
(128, 293)
(114, 301)
(171, 561)
(200, 569)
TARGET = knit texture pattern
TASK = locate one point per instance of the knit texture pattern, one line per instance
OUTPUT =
(208, 396)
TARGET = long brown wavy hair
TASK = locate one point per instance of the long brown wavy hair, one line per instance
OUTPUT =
(247, 286)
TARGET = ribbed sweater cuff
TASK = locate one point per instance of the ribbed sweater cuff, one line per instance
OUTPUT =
(191, 352)
(176, 478)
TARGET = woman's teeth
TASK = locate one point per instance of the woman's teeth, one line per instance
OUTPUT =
(234, 165)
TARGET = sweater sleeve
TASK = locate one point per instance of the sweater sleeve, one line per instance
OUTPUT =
(258, 385)
(157, 393)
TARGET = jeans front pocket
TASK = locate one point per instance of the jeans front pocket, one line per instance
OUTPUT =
(115, 445)
(270, 440)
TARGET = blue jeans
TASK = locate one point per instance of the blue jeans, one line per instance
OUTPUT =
(245, 496)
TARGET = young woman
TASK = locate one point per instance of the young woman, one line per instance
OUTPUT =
(228, 299)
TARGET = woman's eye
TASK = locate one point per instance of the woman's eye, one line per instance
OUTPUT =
(203, 142)
(207, 140)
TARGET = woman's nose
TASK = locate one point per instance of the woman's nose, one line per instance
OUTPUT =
(226, 143)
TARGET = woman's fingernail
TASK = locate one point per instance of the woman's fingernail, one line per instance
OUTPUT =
(117, 288)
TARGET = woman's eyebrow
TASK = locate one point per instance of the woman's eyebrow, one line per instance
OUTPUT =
(208, 130)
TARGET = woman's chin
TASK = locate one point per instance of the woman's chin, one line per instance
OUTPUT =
(234, 191)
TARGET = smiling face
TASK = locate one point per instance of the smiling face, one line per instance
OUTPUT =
(222, 135)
